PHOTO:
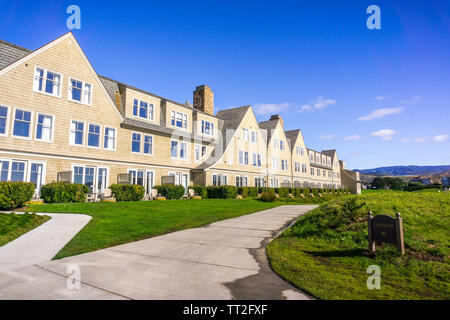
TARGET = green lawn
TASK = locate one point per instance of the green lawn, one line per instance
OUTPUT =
(122, 222)
(326, 255)
(13, 225)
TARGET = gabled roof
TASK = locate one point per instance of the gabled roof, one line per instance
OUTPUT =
(268, 127)
(292, 136)
(232, 119)
(10, 53)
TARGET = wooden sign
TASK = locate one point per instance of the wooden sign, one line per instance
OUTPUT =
(168, 180)
(123, 178)
(383, 228)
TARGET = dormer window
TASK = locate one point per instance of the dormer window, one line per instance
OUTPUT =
(207, 128)
(47, 82)
(142, 109)
(179, 119)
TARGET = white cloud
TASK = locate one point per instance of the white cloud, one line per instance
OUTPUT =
(271, 108)
(352, 138)
(318, 104)
(405, 140)
(420, 140)
(413, 100)
(382, 98)
(440, 138)
(380, 113)
(327, 136)
(385, 134)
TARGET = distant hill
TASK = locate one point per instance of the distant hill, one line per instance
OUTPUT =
(406, 170)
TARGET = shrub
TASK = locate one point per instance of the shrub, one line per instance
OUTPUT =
(127, 192)
(200, 191)
(315, 191)
(15, 194)
(243, 191)
(351, 208)
(268, 196)
(222, 192)
(64, 192)
(306, 191)
(283, 192)
(170, 191)
(252, 192)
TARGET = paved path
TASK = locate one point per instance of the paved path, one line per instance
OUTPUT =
(224, 260)
(42, 243)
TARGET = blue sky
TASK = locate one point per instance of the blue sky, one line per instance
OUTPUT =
(380, 97)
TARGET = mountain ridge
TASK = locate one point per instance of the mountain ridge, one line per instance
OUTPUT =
(411, 170)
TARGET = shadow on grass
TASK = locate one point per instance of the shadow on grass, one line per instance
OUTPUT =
(339, 253)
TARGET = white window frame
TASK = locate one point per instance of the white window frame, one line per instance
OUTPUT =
(35, 87)
(152, 145)
(8, 117)
(73, 144)
(150, 106)
(203, 128)
(30, 131)
(52, 133)
(100, 140)
(83, 85)
(254, 136)
(276, 144)
(140, 143)
(246, 134)
(105, 137)
(275, 163)
(184, 120)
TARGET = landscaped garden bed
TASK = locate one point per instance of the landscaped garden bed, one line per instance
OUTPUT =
(13, 225)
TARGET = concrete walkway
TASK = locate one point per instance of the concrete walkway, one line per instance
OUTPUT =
(224, 260)
(42, 243)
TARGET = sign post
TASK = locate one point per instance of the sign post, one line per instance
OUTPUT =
(383, 228)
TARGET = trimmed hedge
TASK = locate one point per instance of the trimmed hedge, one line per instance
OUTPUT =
(200, 191)
(243, 191)
(64, 192)
(222, 192)
(15, 194)
(170, 191)
(282, 192)
(253, 192)
(127, 192)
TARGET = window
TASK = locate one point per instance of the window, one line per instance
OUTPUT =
(282, 145)
(174, 149)
(77, 133)
(318, 172)
(44, 128)
(329, 174)
(203, 151)
(311, 157)
(329, 162)
(254, 136)
(22, 123)
(304, 170)
(179, 120)
(256, 160)
(259, 182)
(136, 143)
(47, 82)
(297, 167)
(246, 158)
(312, 171)
(94, 136)
(318, 158)
(80, 91)
(183, 150)
(274, 183)
(143, 109)
(302, 151)
(297, 150)
(274, 163)
(246, 134)
(219, 180)
(17, 171)
(148, 144)
(284, 164)
(207, 128)
(276, 143)
(3, 120)
(109, 139)
(324, 173)
(84, 175)
(197, 152)
(4, 170)
(241, 181)
(241, 157)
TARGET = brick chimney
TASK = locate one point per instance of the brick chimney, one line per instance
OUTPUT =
(204, 99)
(277, 117)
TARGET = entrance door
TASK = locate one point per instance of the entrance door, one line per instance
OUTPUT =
(36, 173)
(185, 183)
(150, 179)
(101, 180)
